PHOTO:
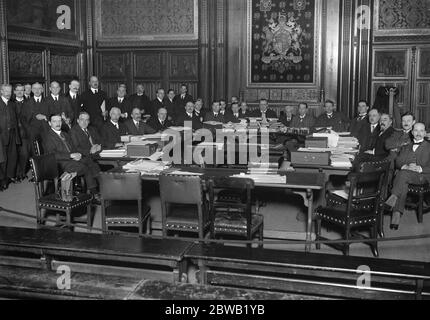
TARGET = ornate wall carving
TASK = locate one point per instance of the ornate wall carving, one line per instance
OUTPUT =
(113, 65)
(147, 19)
(405, 16)
(23, 63)
(183, 66)
(148, 65)
(62, 65)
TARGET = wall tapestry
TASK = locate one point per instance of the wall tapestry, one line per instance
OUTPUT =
(282, 42)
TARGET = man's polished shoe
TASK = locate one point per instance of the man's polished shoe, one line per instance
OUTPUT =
(395, 220)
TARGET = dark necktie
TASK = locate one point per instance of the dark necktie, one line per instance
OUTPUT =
(137, 125)
(63, 138)
(88, 136)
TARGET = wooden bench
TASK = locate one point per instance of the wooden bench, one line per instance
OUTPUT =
(93, 253)
(310, 273)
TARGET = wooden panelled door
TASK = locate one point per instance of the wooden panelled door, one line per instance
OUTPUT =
(155, 69)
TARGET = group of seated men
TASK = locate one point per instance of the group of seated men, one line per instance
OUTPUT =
(62, 125)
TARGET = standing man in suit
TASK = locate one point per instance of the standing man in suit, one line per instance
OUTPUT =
(84, 137)
(172, 108)
(369, 132)
(198, 109)
(135, 126)
(68, 159)
(75, 100)
(403, 137)
(303, 119)
(287, 118)
(24, 149)
(113, 130)
(9, 136)
(140, 99)
(414, 165)
(189, 116)
(121, 102)
(160, 123)
(264, 112)
(183, 98)
(94, 103)
(58, 104)
(361, 120)
(35, 115)
(234, 115)
(336, 120)
(215, 114)
(157, 103)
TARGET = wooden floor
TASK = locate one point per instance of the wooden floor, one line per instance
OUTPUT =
(281, 213)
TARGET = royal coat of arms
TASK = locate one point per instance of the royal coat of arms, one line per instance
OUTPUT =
(283, 41)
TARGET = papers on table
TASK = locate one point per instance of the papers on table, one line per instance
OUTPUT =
(333, 138)
(146, 167)
(116, 153)
(263, 178)
(341, 161)
(348, 142)
(154, 136)
(185, 173)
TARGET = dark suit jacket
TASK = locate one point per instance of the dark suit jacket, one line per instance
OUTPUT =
(380, 149)
(60, 106)
(269, 114)
(143, 128)
(307, 122)
(180, 103)
(172, 108)
(125, 107)
(52, 144)
(24, 128)
(141, 102)
(338, 122)
(91, 104)
(111, 135)
(357, 124)
(210, 116)
(201, 115)
(398, 139)
(180, 121)
(230, 117)
(80, 139)
(155, 105)
(8, 119)
(36, 128)
(421, 157)
(366, 138)
(155, 124)
(76, 105)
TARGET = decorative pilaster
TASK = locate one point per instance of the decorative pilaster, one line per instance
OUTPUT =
(4, 60)
(204, 53)
(220, 52)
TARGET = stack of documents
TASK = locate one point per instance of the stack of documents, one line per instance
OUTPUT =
(348, 142)
(116, 153)
(146, 167)
(341, 161)
(263, 178)
(333, 138)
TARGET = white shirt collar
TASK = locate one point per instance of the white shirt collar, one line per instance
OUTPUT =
(57, 132)
(329, 114)
(115, 124)
(53, 97)
(190, 114)
(159, 120)
(140, 94)
(158, 98)
(19, 99)
(120, 99)
(136, 122)
(418, 141)
(4, 100)
(94, 90)
(302, 117)
(73, 95)
(37, 98)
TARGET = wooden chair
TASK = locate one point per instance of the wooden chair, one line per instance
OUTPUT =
(358, 208)
(234, 218)
(122, 202)
(44, 170)
(419, 191)
(184, 205)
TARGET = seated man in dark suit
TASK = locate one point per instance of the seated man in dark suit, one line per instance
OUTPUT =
(188, 117)
(414, 165)
(331, 119)
(160, 123)
(287, 118)
(140, 99)
(369, 132)
(215, 114)
(233, 116)
(157, 103)
(362, 119)
(121, 102)
(244, 112)
(303, 119)
(113, 130)
(264, 112)
(58, 104)
(403, 137)
(198, 109)
(84, 137)
(377, 150)
(60, 144)
(135, 126)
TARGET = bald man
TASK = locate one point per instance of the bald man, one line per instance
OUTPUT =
(413, 163)
(112, 130)
(58, 104)
(94, 103)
